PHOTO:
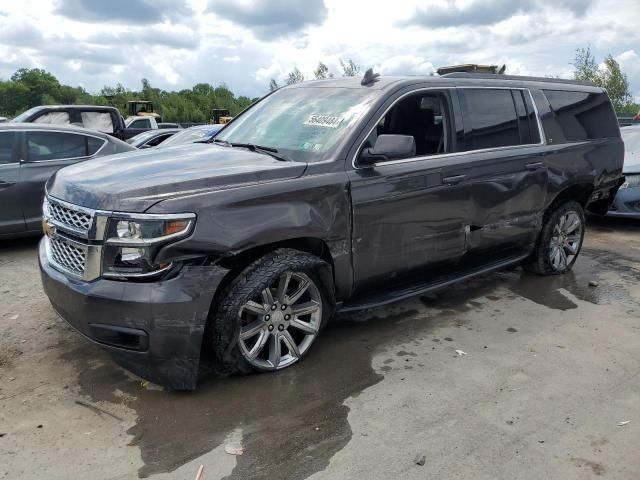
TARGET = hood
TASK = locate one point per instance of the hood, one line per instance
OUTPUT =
(134, 181)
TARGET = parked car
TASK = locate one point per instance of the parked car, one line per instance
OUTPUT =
(94, 117)
(29, 155)
(139, 124)
(340, 194)
(152, 138)
(3, 119)
(627, 201)
(169, 125)
(199, 133)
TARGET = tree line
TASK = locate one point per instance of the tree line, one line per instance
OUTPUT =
(32, 87)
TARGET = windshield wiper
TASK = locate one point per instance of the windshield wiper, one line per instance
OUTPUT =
(261, 149)
(273, 152)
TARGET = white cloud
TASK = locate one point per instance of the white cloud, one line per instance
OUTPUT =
(256, 40)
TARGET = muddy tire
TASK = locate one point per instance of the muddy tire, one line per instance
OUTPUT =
(560, 241)
(272, 312)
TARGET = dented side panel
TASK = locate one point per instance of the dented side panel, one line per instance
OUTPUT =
(236, 220)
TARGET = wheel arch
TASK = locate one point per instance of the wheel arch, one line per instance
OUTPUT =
(238, 261)
(579, 192)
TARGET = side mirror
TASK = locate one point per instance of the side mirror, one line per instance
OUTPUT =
(389, 147)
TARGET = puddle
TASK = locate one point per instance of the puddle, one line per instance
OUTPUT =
(294, 421)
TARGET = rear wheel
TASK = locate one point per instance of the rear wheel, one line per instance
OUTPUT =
(271, 313)
(560, 240)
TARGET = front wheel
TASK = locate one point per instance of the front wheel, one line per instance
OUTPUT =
(560, 240)
(271, 313)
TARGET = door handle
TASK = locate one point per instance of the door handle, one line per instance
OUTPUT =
(534, 165)
(6, 184)
(453, 180)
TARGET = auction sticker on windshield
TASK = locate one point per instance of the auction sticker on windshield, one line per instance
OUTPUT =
(327, 121)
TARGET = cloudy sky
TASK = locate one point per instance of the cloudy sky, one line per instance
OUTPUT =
(244, 43)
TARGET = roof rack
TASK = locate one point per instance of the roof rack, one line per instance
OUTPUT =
(490, 76)
(472, 68)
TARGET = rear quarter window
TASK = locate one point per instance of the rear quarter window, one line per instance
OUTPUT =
(94, 144)
(583, 115)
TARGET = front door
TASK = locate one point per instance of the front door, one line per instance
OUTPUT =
(11, 219)
(409, 215)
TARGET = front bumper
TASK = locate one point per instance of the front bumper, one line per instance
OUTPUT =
(153, 329)
(626, 203)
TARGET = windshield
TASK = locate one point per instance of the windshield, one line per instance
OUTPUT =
(191, 135)
(305, 123)
(24, 115)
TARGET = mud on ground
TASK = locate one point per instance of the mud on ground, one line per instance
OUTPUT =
(549, 368)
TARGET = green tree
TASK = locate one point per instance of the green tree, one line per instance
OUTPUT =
(322, 71)
(616, 84)
(586, 68)
(349, 68)
(38, 83)
(31, 87)
(295, 76)
(610, 77)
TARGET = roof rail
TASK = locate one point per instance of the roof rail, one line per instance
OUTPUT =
(491, 76)
(472, 68)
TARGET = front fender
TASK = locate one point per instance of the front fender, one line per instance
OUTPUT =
(238, 219)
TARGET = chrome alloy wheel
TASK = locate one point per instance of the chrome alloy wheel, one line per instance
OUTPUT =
(565, 241)
(279, 325)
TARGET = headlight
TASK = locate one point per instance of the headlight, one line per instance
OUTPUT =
(133, 242)
(631, 181)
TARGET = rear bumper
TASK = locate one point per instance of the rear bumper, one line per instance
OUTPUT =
(154, 330)
(626, 203)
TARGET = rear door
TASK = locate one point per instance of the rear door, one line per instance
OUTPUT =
(45, 152)
(11, 219)
(505, 176)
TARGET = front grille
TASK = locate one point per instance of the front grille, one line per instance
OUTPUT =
(70, 217)
(67, 256)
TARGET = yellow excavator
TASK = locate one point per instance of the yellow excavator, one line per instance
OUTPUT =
(142, 108)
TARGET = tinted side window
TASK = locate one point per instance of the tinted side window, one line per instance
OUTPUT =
(6, 147)
(140, 124)
(94, 144)
(490, 119)
(583, 115)
(55, 145)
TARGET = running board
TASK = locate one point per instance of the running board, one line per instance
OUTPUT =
(385, 298)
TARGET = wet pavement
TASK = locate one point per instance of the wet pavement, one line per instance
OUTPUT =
(548, 366)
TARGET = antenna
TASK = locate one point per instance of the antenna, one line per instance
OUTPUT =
(369, 78)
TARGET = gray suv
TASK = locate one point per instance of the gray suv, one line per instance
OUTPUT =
(324, 196)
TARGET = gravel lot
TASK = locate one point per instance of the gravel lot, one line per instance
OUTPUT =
(551, 367)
